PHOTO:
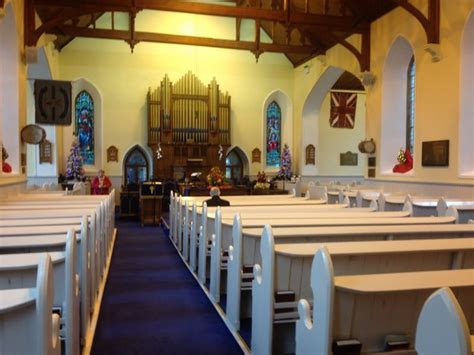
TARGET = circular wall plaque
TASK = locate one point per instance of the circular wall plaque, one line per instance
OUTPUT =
(33, 134)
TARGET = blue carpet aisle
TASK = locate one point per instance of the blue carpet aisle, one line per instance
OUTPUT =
(153, 305)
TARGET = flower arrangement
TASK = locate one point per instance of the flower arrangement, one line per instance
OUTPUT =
(215, 177)
(262, 182)
(6, 168)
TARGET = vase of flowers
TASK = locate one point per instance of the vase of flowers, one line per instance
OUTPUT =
(215, 177)
(262, 183)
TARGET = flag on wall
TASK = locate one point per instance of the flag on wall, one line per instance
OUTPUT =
(343, 108)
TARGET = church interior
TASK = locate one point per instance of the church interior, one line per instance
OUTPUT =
(334, 136)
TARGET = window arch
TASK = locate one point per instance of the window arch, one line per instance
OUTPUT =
(410, 130)
(466, 119)
(135, 166)
(234, 167)
(398, 103)
(84, 105)
(273, 138)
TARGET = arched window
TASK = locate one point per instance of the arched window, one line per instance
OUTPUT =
(273, 135)
(136, 168)
(410, 140)
(85, 126)
(466, 119)
(398, 103)
(233, 167)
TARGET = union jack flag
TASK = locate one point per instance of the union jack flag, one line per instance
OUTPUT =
(343, 108)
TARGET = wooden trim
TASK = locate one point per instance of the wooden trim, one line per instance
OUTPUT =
(178, 39)
(431, 23)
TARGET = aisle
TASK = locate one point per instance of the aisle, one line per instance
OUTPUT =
(153, 305)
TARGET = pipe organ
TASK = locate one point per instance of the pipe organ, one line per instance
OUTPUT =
(189, 121)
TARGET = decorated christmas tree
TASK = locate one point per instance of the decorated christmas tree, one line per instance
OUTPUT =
(74, 170)
(285, 164)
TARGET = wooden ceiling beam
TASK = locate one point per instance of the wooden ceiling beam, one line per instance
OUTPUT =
(70, 30)
(431, 23)
(294, 17)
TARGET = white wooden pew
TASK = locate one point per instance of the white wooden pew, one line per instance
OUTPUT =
(13, 238)
(20, 270)
(259, 213)
(206, 226)
(27, 325)
(223, 237)
(181, 215)
(444, 204)
(238, 279)
(344, 306)
(287, 267)
(178, 207)
(442, 326)
(462, 214)
(99, 249)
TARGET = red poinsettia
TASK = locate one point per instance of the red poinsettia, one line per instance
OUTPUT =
(405, 164)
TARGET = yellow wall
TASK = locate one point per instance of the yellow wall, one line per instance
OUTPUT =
(123, 79)
(304, 82)
(333, 141)
(437, 84)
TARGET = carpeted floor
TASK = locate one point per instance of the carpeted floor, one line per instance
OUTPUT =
(153, 305)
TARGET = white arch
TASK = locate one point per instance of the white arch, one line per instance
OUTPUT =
(9, 88)
(394, 102)
(286, 106)
(79, 85)
(310, 119)
(39, 70)
(466, 118)
(243, 155)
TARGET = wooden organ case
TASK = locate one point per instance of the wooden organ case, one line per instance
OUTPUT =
(190, 122)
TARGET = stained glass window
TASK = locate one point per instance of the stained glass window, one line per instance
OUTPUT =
(136, 166)
(233, 167)
(410, 139)
(85, 126)
(273, 135)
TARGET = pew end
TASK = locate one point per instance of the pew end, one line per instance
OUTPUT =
(442, 327)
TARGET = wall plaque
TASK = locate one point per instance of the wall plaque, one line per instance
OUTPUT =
(310, 155)
(112, 153)
(46, 152)
(53, 102)
(256, 155)
(435, 153)
(348, 158)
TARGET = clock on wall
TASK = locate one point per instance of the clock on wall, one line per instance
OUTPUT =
(53, 102)
(367, 146)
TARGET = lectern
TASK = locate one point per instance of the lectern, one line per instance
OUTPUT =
(151, 196)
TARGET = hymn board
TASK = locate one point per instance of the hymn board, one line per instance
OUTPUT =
(190, 122)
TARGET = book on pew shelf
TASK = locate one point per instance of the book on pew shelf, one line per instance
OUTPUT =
(284, 296)
(396, 342)
(247, 273)
(346, 347)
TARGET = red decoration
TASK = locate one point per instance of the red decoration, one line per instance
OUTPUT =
(406, 166)
(6, 168)
(343, 108)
